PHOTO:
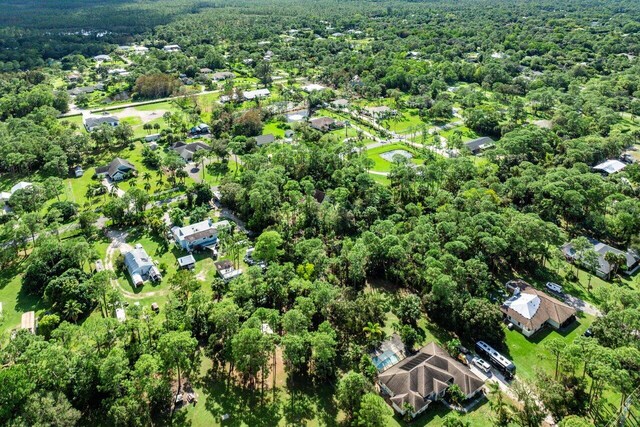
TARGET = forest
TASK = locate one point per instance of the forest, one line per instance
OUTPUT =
(367, 173)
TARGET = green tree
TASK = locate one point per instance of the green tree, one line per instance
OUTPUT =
(50, 409)
(268, 246)
(351, 389)
(373, 411)
(177, 349)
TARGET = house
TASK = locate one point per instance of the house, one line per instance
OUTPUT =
(20, 186)
(222, 75)
(85, 89)
(340, 103)
(313, 87)
(206, 70)
(78, 171)
(92, 123)
(152, 137)
(379, 112)
(74, 76)
(141, 50)
(325, 124)
(226, 270)
(29, 321)
(256, 94)
(530, 309)
(424, 378)
(609, 167)
(102, 58)
(117, 170)
(264, 139)
(604, 269)
(188, 262)
(479, 144)
(172, 48)
(198, 235)
(6, 195)
(186, 151)
(140, 266)
(297, 116)
(201, 129)
(120, 315)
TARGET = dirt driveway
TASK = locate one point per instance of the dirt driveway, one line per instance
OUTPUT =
(145, 116)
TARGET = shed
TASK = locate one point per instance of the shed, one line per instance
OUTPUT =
(28, 321)
(188, 262)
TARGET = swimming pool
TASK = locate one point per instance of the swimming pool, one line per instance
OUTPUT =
(385, 360)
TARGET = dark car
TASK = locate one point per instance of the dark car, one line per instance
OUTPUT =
(588, 333)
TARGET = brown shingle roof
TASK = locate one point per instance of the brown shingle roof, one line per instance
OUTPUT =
(549, 308)
(431, 370)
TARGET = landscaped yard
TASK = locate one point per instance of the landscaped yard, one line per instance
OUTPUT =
(529, 354)
(383, 165)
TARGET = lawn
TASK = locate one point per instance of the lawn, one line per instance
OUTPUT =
(14, 300)
(529, 355)
(383, 165)
(216, 171)
(405, 122)
(275, 128)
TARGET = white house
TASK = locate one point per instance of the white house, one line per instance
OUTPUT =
(140, 266)
(198, 235)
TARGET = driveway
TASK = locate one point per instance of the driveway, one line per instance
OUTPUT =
(582, 306)
(109, 185)
(118, 242)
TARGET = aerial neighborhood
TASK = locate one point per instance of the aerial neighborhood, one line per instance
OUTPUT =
(355, 214)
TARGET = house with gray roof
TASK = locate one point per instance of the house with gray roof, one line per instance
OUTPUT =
(140, 266)
(478, 145)
(424, 378)
(264, 139)
(325, 124)
(92, 123)
(117, 170)
(186, 151)
(222, 75)
(604, 268)
(198, 235)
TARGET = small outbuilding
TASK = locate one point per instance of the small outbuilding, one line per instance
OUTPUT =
(187, 262)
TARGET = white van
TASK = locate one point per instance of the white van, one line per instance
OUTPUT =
(554, 287)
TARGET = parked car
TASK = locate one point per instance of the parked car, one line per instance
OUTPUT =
(481, 364)
(554, 287)
(463, 349)
(588, 333)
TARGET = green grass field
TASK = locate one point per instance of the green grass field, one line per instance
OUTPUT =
(529, 354)
(406, 121)
(383, 165)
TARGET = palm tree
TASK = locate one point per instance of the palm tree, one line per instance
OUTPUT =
(374, 332)
(72, 310)
(500, 408)
(147, 186)
(146, 176)
(199, 157)
(114, 189)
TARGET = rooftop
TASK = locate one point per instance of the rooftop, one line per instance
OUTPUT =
(610, 166)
